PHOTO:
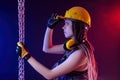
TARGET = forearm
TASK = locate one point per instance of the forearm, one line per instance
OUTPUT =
(48, 46)
(44, 71)
(47, 43)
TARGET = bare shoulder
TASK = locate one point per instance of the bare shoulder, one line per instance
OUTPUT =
(77, 54)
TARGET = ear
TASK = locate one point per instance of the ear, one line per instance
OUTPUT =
(70, 44)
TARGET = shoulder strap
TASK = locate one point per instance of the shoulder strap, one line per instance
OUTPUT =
(67, 54)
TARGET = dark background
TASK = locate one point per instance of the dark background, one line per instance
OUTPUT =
(104, 35)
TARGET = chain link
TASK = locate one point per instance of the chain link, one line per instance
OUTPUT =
(21, 24)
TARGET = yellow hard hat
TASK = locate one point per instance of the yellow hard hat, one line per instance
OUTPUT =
(78, 13)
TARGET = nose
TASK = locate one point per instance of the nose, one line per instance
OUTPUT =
(63, 27)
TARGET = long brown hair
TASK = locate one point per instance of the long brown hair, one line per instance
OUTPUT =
(80, 30)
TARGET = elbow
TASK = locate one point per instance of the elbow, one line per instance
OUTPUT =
(45, 50)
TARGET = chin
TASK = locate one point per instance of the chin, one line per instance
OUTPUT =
(67, 36)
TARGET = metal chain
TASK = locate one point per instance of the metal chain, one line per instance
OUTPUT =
(21, 24)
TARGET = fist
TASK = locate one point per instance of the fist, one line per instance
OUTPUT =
(22, 51)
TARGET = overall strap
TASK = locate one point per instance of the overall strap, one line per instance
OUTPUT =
(67, 54)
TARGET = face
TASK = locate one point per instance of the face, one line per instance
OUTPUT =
(67, 28)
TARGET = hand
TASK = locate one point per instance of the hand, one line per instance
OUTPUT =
(22, 51)
(53, 20)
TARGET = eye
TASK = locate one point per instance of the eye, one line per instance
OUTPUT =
(66, 23)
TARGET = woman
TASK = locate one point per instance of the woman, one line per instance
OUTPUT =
(78, 62)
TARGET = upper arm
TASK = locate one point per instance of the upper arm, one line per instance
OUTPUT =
(48, 46)
(56, 49)
(68, 65)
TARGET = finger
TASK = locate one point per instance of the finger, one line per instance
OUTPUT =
(18, 50)
(20, 44)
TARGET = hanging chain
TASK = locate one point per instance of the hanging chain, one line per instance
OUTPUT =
(21, 24)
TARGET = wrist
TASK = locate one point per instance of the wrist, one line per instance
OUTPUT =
(27, 56)
(50, 27)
